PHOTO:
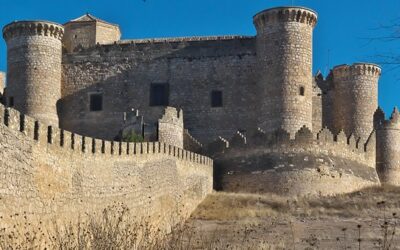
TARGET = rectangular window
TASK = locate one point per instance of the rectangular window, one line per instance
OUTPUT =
(11, 101)
(96, 102)
(302, 91)
(216, 98)
(159, 94)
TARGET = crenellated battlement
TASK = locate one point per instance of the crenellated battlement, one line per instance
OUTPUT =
(286, 14)
(172, 115)
(33, 28)
(173, 47)
(47, 135)
(320, 163)
(190, 143)
(392, 123)
(342, 71)
(388, 147)
(339, 144)
(183, 39)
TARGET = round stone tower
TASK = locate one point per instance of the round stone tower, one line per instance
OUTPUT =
(34, 52)
(355, 98)
(388, 150)
(284, 52)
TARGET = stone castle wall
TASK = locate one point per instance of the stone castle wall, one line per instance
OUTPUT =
(309, 164)
(284, 56)
(317, 105)
(45, 171)
(79, 34)
(192, 67)
(2, 81)
(2, 85)
(388, 149)
(34, 52)
(355, 98)
(107, 33)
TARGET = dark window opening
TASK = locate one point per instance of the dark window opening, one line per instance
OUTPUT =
(302, 91)
(216, 98)
(11, 101)
(96, 102)
(159, 94)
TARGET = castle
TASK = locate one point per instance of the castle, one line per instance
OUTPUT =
(250, 103)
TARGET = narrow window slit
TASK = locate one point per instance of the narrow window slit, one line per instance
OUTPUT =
(50, 134)
(6, 117)
(36, 131)
(22, 123)
(62, 138)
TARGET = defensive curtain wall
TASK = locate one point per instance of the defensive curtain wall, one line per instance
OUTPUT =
(310, 164)
(45, 171)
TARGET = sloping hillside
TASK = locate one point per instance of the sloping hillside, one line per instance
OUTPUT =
(367, 219)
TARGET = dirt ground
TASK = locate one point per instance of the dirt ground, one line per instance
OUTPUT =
(367, 219)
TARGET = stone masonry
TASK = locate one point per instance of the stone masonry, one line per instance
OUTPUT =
(2, 84)
(355, 98)
(47, 172)
(284, 56)
(388, 149)
(34, 51)
(170, 127)
(250, 102)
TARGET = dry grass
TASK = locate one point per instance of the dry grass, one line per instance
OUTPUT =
(367, 219)
(230, 221)
(230, 206)
(114, 228)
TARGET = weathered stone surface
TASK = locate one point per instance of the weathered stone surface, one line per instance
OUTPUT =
(34, 52)
(2, 83)
(43, 176)
(355, 98)
(388, 149)
(265, 82)
(284, 56)
(87, 31)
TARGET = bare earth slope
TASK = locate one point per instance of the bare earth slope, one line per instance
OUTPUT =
(367, 219)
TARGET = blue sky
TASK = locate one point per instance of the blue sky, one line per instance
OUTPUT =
(341, 35)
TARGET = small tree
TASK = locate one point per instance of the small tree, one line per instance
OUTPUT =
(131, 136)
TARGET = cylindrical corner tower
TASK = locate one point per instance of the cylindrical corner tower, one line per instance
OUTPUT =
(34, 52)
(355, 98)
(284, 52)
(388, 150)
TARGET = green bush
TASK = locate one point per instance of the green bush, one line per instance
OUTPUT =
(132, 137)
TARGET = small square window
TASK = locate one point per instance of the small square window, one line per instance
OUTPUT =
(96, 102)
(216, 98)
(11, 101)
(159, 94)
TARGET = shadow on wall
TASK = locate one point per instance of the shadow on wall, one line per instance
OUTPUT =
(312, 163)
(129, 76)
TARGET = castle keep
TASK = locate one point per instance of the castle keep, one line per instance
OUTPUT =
(76, 92)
